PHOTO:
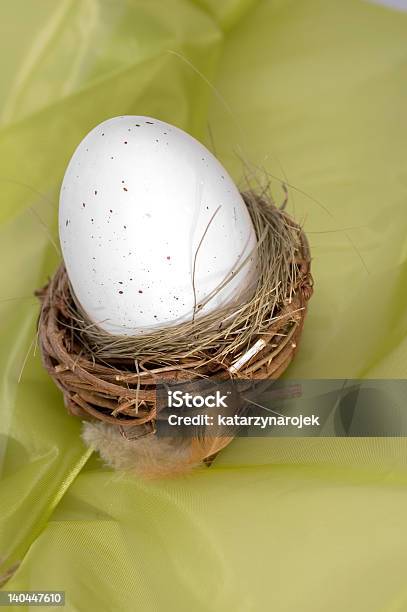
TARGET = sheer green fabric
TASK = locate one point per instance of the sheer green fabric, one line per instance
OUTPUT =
(313, 93)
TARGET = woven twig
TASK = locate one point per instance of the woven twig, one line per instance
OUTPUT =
(121, 391)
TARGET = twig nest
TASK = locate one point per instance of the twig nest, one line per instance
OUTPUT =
(242, 271)
(110, 382)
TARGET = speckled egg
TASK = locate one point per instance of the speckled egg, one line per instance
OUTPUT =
(153, 230)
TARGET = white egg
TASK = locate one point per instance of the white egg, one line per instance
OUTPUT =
(153, 230)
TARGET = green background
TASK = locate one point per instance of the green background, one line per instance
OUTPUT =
(312, 92)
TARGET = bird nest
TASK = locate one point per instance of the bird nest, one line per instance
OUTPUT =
(111, 381)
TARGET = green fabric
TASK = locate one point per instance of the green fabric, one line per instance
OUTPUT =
(312, 92)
